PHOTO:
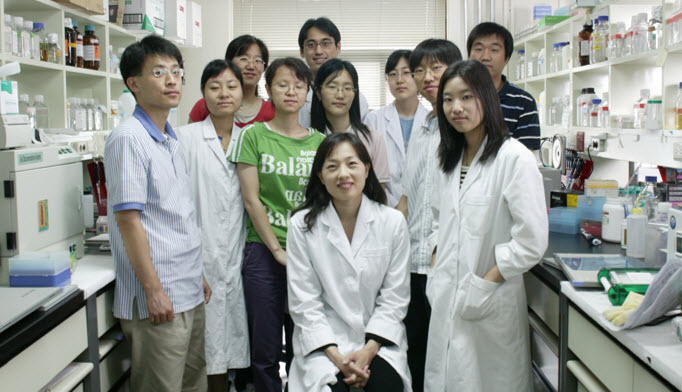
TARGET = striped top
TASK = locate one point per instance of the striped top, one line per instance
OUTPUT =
(421, 163)
(520, 114)
(463, 174)
(145, 171)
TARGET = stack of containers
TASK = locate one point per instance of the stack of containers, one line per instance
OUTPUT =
(40, 269)
(540, 11)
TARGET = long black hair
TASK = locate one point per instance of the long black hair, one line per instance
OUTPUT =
(452, 143)
(241, 44)
(317, 197)
(318, 117)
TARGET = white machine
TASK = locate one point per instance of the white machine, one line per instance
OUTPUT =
(41, 206)
(675, 233)
(15, 131)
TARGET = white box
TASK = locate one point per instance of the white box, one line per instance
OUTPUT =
(194, 25)
(144, 15)
(176, 20)
(9, 97)
(105, 15)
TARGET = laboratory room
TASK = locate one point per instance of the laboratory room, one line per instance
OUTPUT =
(372, 196)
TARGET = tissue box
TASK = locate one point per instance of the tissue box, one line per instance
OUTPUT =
(144, 15)
(9, 97)
(40, 269)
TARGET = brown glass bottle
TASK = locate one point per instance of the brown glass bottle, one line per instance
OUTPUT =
(69, 43)
(79, 45)
(584, 44)
(90, 48)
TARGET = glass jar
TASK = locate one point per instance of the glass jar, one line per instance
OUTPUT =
(90, 48)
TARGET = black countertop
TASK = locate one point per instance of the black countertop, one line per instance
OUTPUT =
(568, 243)
(29, 329)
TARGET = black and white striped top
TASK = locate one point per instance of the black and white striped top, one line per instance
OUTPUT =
(465, 169)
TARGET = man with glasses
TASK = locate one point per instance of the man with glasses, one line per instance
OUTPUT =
(320, 40)
(428, 62)
(156, 244)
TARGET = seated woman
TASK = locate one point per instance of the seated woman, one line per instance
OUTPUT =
(336, 108)
(348, 277)
(490, 224)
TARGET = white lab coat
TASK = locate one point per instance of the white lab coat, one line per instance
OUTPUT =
(387, 121)
(339, 291)
(221, 218)
(478, 337)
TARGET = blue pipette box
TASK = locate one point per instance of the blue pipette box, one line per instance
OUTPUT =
(40, 269)
(564, 220)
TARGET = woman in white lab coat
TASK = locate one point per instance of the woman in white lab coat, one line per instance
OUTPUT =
(490, 226)
(348, 277)
(221, 217)
(397, 120)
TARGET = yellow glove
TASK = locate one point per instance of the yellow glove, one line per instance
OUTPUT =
(618, 315)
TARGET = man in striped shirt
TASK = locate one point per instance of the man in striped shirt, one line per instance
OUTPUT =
(155, 241)
(492, 45)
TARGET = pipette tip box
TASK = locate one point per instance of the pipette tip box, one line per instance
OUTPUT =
(40, 269)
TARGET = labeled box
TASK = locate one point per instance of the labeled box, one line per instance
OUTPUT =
(9, 97)
(145, 15)
(194, 38)
(176, 20)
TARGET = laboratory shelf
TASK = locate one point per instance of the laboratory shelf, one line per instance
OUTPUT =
(116, 76)
(85, 71)
(675, 48)
(560, 74)
(598, 67)
(18, 6)
(654, 58)
(32, 64)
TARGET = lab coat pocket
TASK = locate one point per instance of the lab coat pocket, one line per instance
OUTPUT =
(475, 212)
(477, 300)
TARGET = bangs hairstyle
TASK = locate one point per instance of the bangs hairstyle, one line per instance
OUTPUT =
(216, 67)
(489, 28)
(318, 117)
(301, 70)
(394, 59)
(135, 54)
(317, 197)
(434, 49)
(323, 24)
(241, 44)
(478, 79)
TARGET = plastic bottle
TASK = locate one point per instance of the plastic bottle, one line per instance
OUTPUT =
(640, 34)
(552, 112)
(566, 56)
(42, 113)
(649, 197)
(586, 106)
(126, 104)
(584, 44)
(594, 112)
(79, 45)
(90, 48)
(113, 60)
(521, 65)
(532, 65)
(553, 58)
(599, 42)
(100, 115)
(636, 234)
(655, 30)
(89, 106)
(7, 33)
(678, 108)
(18, 23)
(27, 40)
(39, 42)
(617, 40)
(54, 52)
(69, 43)
(541, 62)
(614, 212)
(604, 112)
(654, 113)
(578, 107)
(26, 108)
(114, 116)
(78, 115)
(639, 109)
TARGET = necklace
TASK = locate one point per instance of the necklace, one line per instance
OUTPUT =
(249, 109)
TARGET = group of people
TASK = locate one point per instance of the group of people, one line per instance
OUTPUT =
(388, 245)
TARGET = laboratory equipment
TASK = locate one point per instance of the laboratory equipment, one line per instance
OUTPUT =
(15, 131)
(639, 34)
(90, 48)
(617, 41)
(26, 108)
(42, 207)
(604, 113)
(656, 238)
(566, 56)
(614, 212)
(636, 234)
(79, 44)
(674, 245)
(619, 282)
(582, 268)
(564, 220)
(40, 269)
(69, 43)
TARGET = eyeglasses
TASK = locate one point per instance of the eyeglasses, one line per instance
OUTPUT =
(298, 87)
(244, 61)
(160, 72)
(334, 89)
(325, 44)
(394, 75)
(421, 72)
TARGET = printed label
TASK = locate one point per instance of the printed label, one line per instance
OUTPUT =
(30, 157)
(43, 217)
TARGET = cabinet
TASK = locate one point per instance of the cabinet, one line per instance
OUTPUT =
(622, 78)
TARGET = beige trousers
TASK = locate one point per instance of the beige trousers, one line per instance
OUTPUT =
(168, 357)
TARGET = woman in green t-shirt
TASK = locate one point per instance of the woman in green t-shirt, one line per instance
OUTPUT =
(274, 160)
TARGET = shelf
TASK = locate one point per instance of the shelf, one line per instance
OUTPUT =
(116, 76)
(78, 15)
(119, 32)
(20, 6)
(31, 64)
(601, 67)
(85, 71)
(675, 48)
(559, 74)
(654, 58)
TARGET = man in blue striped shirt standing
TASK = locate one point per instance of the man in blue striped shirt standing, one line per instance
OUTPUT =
(160, 291)
(492, 45)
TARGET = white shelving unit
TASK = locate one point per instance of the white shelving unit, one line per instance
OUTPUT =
(657, 70)
(57, 82)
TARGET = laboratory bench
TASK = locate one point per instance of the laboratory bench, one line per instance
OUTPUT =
(74, 345)
(575, 348)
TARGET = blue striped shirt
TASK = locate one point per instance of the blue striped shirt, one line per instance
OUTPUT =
(145, 171)
(520, 114)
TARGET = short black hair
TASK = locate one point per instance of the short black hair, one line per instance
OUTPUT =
(241, 44)
(135, 54)
(435, 49)
(216, 67)
(321, 23)
(301, 70)
(490, 28)
(395, 57)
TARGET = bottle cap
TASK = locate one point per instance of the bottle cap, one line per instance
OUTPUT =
(596, 101)
(654, 101)
(18, 20)
(67, 23)
(38, 25)
(74, 23)
(28, 24)
(637, 211)
(604, 18)
(590, 90)
(521, 51)
(680, 84)
(89, 28)
(23, 97)
(39, 99)
(650, 178)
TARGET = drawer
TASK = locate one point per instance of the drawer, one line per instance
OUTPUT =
(586, 381)
(105, 317)
(116, 363)
(543, 301)
(608, 362)
(39, 363)
(645, 381)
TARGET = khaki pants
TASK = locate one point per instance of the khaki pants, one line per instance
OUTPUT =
(168, 356)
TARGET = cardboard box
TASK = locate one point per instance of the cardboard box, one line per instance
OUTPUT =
(194, 25)
(91, 7)
(145, 15)
(116, 8)
(9, 97)
(176, 20)
(104, 16)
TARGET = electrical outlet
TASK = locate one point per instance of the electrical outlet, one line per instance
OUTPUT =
(598, 144)
(677, 151)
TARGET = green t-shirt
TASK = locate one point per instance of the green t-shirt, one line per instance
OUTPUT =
(284, 165)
